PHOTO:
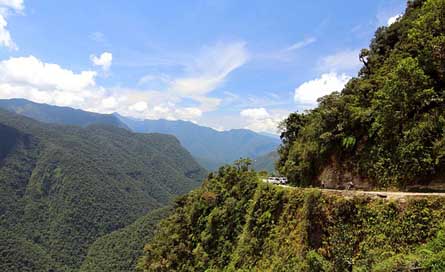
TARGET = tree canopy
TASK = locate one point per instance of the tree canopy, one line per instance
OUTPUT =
(388, 124)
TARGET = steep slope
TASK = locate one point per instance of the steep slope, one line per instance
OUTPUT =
(62, 187)
(266, 162)
(386, 128)
(210, 147)
(234, 222)
(58, 115)
(121, 249)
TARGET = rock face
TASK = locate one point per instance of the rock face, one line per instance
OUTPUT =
(338, 175)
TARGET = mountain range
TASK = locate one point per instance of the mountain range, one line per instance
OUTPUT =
(211, 148)
(62, 187)
(58, 115)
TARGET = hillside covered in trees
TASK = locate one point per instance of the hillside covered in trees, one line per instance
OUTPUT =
(235, 222)
(387, 127)
(62, 187)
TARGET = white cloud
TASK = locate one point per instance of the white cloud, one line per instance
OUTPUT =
(308, 92)
(33, 79)
(255, 113)
(30, 78)
(261, 120)
(186, 97)
(345, 60)
(44, 75)
(104, 60)
(109, 103)
(203, 74)
(5, 7)
(210, 69)
(139, 106)
(5, 36)
(301, 44)
(17, 5)
(393, 19)
(189, 113)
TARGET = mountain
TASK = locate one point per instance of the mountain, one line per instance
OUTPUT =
(121, 249)
(62, 187)
(266, 162)
(235, 222)
(275, 136)
(210, 147)
(386, 128)
(58, 115)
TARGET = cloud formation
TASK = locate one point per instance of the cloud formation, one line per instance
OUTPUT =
(301, 44)
(210, 69)
(262, 120)
(33, 79)
(345, 60)
(36, 80)
(393, 19)
(203, 74)
(17, 5)
(6, 6)
(308, 92)
(28, 77)
(255, 113)
(104, 60)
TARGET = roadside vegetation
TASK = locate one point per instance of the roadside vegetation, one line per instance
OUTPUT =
(387, 126)
(235, 222)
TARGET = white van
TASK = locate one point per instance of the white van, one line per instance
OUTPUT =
(277, 180)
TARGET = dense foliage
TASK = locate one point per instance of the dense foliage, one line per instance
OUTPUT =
(121, 249)
(388, 124)
(211, 148)
(63, 187)
(237, 223)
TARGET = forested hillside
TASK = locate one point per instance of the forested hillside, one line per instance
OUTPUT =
(211, 148)
(62, 187)
(387, 127)
(266, 162)
(121, 249)
(58, 115)
(235, 222)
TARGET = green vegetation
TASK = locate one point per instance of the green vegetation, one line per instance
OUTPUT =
(236, 223)
(387, 126)
(63, 187)
(121, 249)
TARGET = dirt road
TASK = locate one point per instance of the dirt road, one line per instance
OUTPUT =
(378, 194)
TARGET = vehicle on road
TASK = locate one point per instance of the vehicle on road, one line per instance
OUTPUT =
(276, 180)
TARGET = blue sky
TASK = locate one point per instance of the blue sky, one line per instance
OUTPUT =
(224, 64)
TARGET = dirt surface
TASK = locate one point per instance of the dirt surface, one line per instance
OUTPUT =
(377, 194)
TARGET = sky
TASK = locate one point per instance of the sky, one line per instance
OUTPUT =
(219, 63)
